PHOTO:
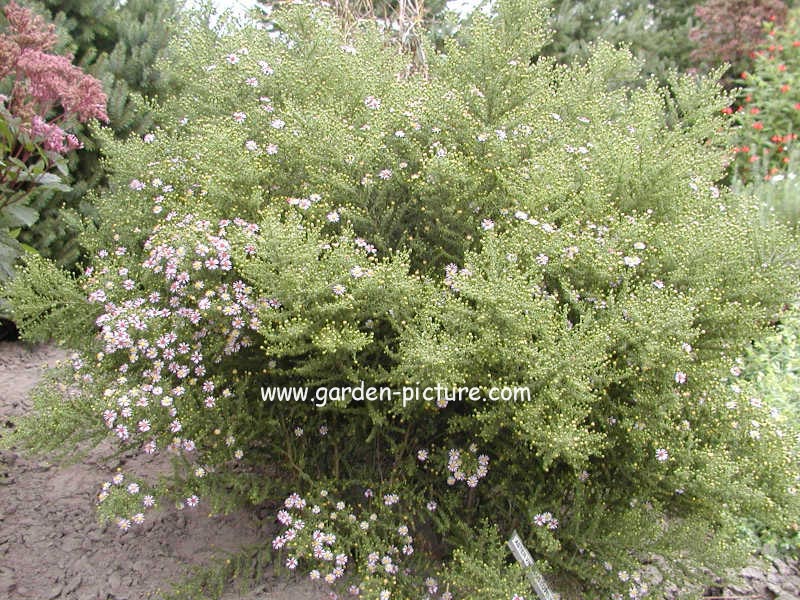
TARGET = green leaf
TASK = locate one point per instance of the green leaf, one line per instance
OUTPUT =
(52, 181)
(18, 215)
(9, 251)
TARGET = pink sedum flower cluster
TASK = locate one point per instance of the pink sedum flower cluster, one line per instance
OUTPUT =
(48, 92)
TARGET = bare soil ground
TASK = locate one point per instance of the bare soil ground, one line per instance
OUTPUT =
(53, 547)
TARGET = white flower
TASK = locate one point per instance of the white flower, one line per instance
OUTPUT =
(333, 216)
(632, 261)
(662, 455)
(149, 138)
(251, 145)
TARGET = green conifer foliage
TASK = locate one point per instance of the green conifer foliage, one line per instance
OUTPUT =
(657, 33)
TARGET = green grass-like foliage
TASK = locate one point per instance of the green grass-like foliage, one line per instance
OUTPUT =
(314, 214)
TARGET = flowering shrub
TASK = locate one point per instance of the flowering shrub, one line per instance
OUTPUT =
(767, 112)
(45, 95)
(316, 214)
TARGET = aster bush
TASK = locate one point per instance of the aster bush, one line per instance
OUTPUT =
(43, 97)
(318, 212)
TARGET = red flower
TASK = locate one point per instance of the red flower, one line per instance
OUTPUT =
(758, 126)
(785, 88)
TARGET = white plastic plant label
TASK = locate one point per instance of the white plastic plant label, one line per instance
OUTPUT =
(525, 559)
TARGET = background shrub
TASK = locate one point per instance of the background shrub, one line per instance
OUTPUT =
(731, 30)
(765, 113)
